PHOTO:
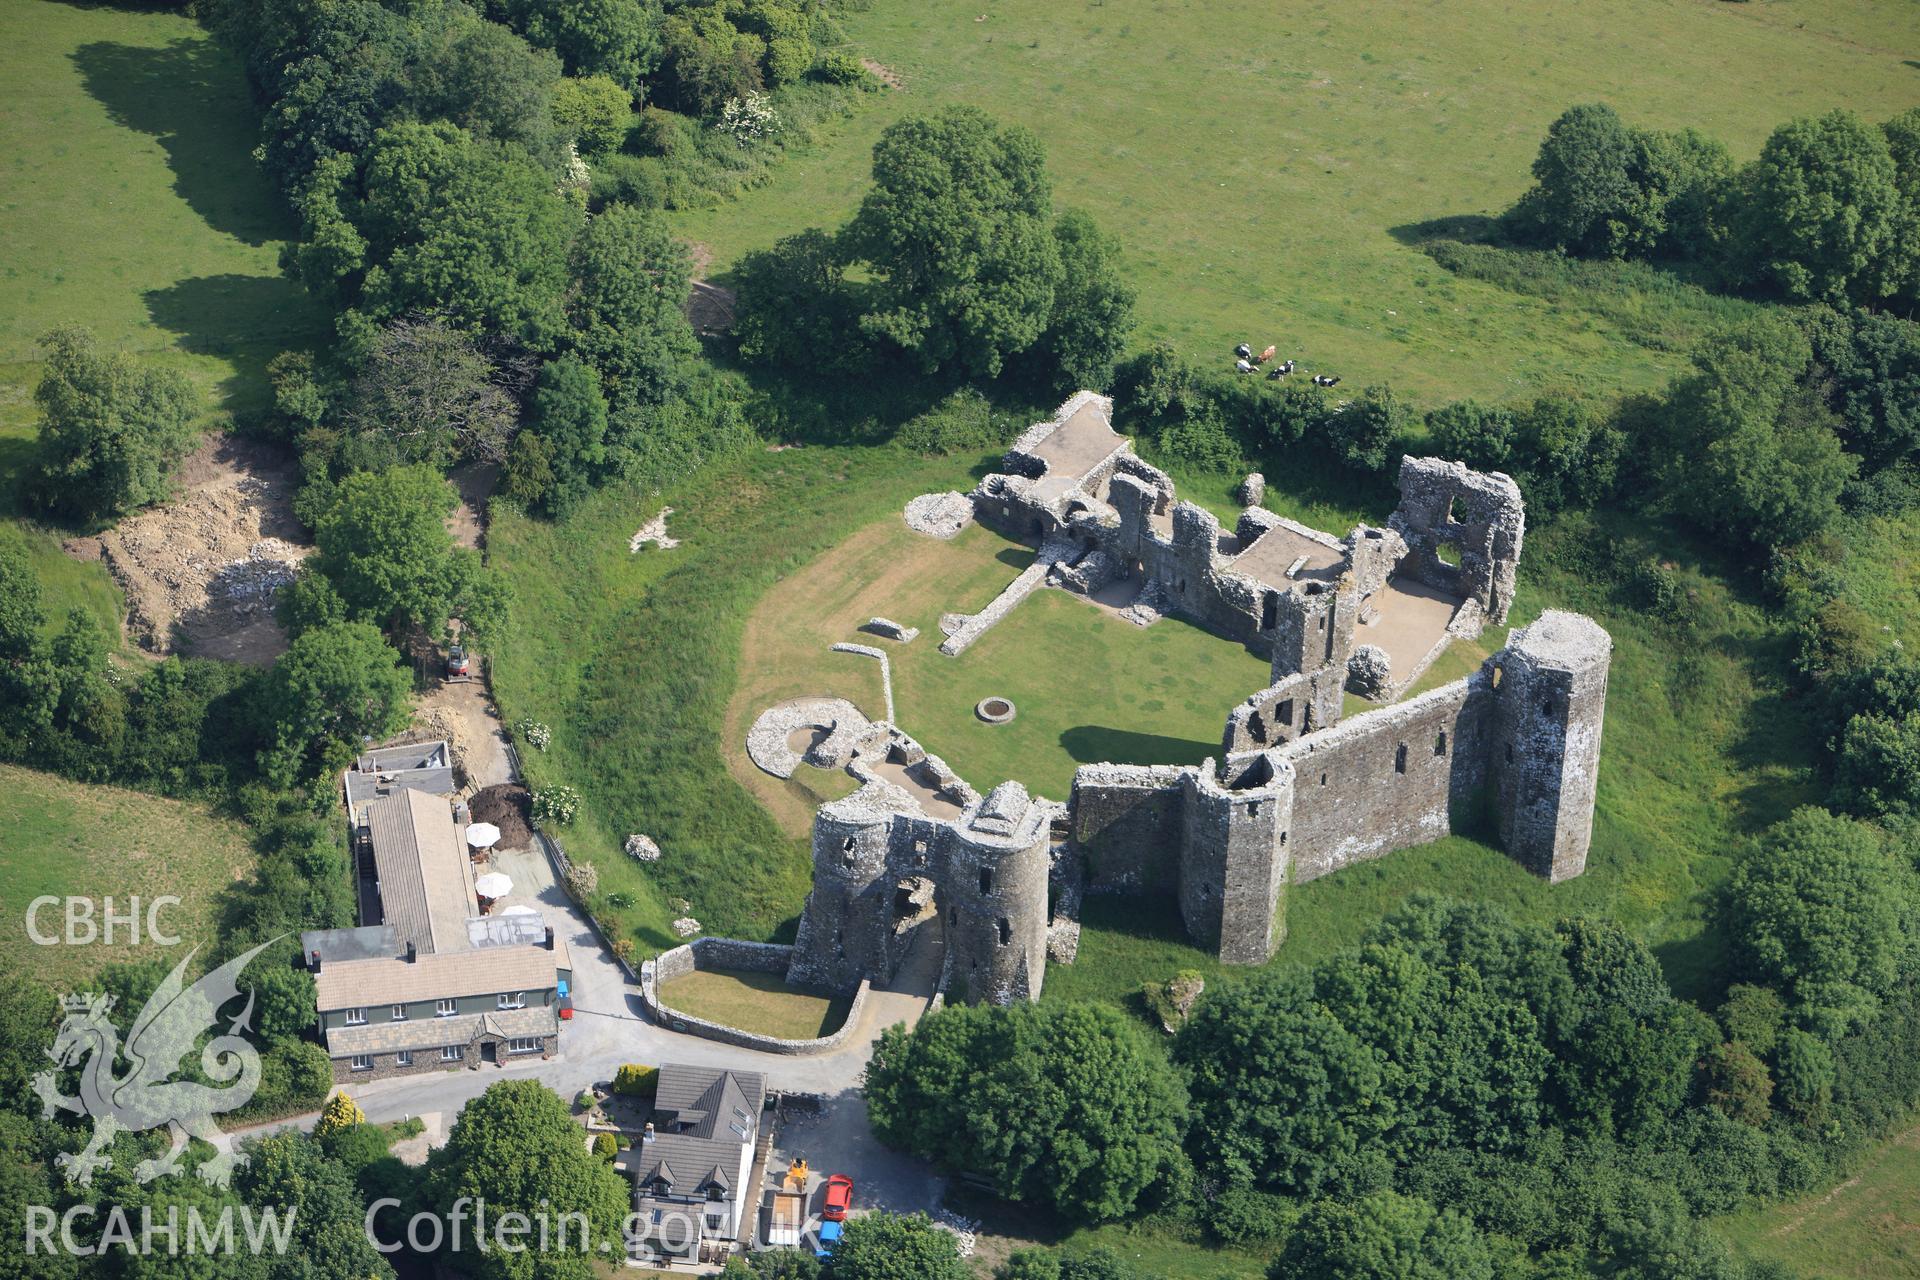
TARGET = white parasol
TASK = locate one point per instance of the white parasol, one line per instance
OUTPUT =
(493, 885)
(483, 835)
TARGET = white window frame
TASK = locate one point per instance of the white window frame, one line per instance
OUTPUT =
(404, 1058)
(523, 1044)
(452, 1053)
(362, 1062)
(515, 1000)
(357, 1017)
(398, 1013)
(446, 1008)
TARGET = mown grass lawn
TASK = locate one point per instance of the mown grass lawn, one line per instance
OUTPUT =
(1264, 163)
(1087, 686)
(759, 1002)
(70, 838)
(1867, 1228)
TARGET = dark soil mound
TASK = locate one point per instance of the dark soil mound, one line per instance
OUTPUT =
(506, 806)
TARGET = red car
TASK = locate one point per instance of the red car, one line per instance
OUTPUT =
(839, 1198)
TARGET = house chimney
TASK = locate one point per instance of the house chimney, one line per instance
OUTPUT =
(412, 953)
(313, 961)
(549, 942)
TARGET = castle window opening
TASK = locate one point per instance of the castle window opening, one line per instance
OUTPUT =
(1546, 707)
(1253, 808)
(1323, 779)
(1283, 839)
(986, 879)
(1006, 931)
(1440, 744)
(1509, 753)
(1447, 554)
(1400, 758)
(1286, 712)
(1270, 611)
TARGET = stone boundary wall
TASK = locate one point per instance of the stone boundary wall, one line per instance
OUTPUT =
(886, 669)
(1031, 579)
(1387, 779)
(734, 953)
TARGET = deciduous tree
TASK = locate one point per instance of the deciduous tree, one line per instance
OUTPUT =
(516, 1149)
(385, 548)
(1382, 1236)
(332, 687)
(1820, 908)
(427, 390)
(1063, 1106)
(627, 313)
(888, 1246)
(1825, 220)
(957, 231)
(1092, 307)
(111, 431)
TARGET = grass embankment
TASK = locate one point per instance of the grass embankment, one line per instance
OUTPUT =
(1269, 168)
(632, 658)
(132, 207)
(70, 838)
(759, 1002)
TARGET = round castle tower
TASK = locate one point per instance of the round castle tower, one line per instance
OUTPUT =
(994, 895)
(842, 935)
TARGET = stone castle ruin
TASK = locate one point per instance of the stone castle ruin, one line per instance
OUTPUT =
(1295, 792)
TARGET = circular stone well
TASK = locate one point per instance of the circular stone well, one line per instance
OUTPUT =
(994, 710)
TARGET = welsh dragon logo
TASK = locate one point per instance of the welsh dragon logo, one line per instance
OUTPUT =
(146, 1096)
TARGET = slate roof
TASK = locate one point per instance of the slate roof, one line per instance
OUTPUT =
(426, 878)
(702, 1117)
(356, 984)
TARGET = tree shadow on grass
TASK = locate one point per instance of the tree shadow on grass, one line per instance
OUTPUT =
(1697, 967)
(19, 455)
(1097, 744)
(191, 97)
(245, 320)
(1470, 228)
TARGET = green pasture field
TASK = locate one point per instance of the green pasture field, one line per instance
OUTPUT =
(72, 838)
(1867, 1228)
(1271, 167)
(131, 205)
